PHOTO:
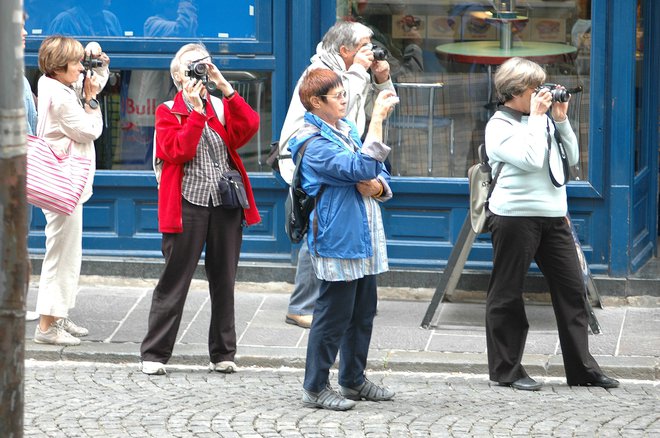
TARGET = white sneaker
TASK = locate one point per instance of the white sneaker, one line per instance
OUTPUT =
(55, 335)
(226, 366)
(73, 328)
(153, 368)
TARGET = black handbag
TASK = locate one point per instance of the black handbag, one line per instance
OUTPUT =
(230, 186)
(232, 190)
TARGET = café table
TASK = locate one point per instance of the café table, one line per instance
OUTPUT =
(491, 53)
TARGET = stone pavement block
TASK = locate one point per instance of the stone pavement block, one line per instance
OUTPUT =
(457, 341)
(393, 337)
(400, 313)
(461, 314)
(542, 343)
(284, 336)
(640, 333)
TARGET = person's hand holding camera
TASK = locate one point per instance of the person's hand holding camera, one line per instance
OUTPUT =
(540, 103)
(195, 92)
(93, 50)
(216, 76)
(560, 109)
(91, 86)
(364, 56)
(381, 71)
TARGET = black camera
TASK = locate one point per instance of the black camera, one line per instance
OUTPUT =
(199, 70)
(558, 94)
(89, 63)
(380, 53)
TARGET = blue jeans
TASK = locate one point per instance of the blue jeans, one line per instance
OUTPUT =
(343, 321)
(307, 286)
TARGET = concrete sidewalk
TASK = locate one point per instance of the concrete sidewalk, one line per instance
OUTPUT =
(115, 311)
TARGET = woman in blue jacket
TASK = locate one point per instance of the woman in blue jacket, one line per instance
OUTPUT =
(346, 237)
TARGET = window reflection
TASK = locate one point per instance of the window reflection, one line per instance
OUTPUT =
(129, 103)
(152, 18)
(458, 111)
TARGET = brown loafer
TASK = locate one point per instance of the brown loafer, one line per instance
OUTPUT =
(304, 321)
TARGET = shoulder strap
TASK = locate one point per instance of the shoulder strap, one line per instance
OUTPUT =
(562, 154)
(483, 157)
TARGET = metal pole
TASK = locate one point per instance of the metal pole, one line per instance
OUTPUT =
(13, 226)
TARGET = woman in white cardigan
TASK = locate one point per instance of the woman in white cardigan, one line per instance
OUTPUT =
(70, 120)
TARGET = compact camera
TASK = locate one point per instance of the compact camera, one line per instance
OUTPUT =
(380, 53)
(199, 70)
(89, 63)
(558, 94)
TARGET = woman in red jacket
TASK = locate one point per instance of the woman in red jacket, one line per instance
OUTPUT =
(204, 198)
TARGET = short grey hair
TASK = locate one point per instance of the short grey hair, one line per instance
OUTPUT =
(345, 33)
(515, 76)
(176, 61)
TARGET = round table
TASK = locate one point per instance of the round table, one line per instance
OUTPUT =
(490, 53)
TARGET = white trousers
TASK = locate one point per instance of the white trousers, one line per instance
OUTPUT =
(58, 285)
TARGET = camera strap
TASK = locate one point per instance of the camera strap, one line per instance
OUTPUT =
(552, 161)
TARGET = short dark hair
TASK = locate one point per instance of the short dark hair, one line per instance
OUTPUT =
(317, 82)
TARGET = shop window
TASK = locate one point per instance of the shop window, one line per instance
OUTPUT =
(413, 31)
(151, 18)
(129, 102)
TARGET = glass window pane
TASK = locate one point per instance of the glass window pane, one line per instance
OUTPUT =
(153, 18)
(129, 103)
(436, 130)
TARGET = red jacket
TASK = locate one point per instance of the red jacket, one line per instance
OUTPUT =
(176, 144)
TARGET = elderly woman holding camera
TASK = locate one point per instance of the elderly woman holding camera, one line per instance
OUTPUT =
(204, 198)
(527, 138)
(346, 237)
(70, 120)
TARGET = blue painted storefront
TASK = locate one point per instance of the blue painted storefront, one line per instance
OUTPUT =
(615, 209)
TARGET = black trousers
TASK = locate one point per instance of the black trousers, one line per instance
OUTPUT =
(548, 241)
(221, 231)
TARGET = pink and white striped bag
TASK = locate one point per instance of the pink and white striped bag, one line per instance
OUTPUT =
(54, 183)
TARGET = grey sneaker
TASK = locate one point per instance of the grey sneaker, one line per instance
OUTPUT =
(55, 335)
(367, 391)
(328, 398)
(226, 367)
(73, 328)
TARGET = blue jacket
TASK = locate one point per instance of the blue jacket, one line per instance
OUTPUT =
(341, 227)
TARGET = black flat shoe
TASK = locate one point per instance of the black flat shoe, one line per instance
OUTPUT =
(603, 381)
(524, 384)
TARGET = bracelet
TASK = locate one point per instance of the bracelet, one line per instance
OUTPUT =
(229, 97)
(380, 193)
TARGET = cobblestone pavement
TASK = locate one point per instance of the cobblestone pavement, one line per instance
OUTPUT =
(79, 399)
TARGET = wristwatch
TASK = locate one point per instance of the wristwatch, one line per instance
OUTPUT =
(93, 103)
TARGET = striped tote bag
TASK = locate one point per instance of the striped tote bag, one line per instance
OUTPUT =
(54, 183)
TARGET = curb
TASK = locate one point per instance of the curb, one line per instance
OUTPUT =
(624, 367)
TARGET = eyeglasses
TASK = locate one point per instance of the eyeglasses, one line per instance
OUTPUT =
(341, 95)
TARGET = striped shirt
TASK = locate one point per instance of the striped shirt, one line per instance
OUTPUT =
(201, 174)
(332, 269)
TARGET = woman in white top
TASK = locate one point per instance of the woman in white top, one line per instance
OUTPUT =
(70, 120)
(526, 139)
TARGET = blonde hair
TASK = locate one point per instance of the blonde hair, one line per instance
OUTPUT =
(175, 65)
(515, 76)
(56, 52)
